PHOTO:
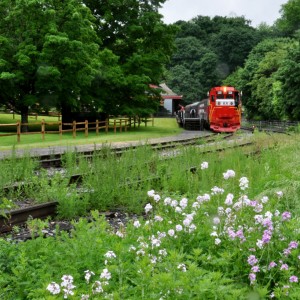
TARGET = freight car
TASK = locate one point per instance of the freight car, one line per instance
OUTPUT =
(221, 112)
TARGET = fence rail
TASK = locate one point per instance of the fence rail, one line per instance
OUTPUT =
(272, 125)
(121, 124)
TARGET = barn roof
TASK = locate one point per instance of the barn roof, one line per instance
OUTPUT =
(166, 92)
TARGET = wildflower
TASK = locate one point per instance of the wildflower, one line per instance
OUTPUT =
(204, 165)
(252, 260)
(178, 227)
(174, 203)
(196, 205)
(252, 277)
(204, 198)
(151, 193)
(244, 183)
(136, 224)
(216, 220)
(192, 228)
(84, 297)
(279, 194)
(148, 208)
(105, 274)
(293, 245)
(277, 213)
(53, 288)
(214, 233)
(259, 243)
(220, 211)
(88, 275)
(286, 216)
(155, 242)
(119, 234)
(162, 252)
(171, 232)
(110, 254)
(228, 174)
(158, 219)
(272, 264)
(267, 236)
(182, 267)
(156, 198)
(217, 241)
(97, 287)
(255, 269)
(216, 190)
(178, 209)
(229, 199)
(167, 201)
(264, 199)
(293, 278)
(284, 267)
(183, 203)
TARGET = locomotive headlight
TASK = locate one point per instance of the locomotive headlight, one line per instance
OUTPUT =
(231, 103)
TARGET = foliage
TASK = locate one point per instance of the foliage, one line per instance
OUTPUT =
(231, 234)
(50, 66)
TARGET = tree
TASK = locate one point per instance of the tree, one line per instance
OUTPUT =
(289, 22)
(133, 31)
(289, 75)
(49, 53)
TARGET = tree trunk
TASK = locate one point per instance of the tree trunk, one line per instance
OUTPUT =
(24, 119)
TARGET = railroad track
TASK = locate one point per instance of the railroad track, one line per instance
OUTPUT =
(19, 217)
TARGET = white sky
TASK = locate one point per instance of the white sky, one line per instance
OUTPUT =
(257, 11)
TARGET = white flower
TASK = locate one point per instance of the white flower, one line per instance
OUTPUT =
(244, 183)
(151, 193)
(214, 233)
(178, 209)
(53, 288)
(182, 267)
(229, 199)
(105, 274)
(162, 252)
(204, 165)
(167, 201)
(192, 228)
(216, 190)
(279, 194)
(110, 254)
(264, 199)
(148, 207)
(136, 224)
(97, 287)
(228, 174)
(156, 198)
(217, 241)
(88, 275)
(171, 232)
(216, 220)
(178, 227)
(259, 244)
(183, 203)
(174, 203)
(119, 234)
(158, 219)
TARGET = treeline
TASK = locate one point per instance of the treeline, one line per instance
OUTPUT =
(90, 55)
(263, 62)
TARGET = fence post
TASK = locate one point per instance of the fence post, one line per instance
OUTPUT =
(125, 125)
(86, 128)
(121, 121)
(74, 129)
(106, 125)
(152, 121)
(60, 129)
(97, 127)
(146, 121)
(115, 128)
(18, 132)
(43, 129)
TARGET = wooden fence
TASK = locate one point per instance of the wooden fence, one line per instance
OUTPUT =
(120, 124)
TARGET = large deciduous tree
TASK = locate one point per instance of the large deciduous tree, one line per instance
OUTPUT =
(48, 53)
(134, 31)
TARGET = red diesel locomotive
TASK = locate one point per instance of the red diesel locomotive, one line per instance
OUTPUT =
(221, 112)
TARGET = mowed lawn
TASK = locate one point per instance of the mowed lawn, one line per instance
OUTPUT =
(161, 127)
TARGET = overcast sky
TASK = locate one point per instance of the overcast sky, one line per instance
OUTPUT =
(257, 11)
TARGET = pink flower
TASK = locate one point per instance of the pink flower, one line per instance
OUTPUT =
(286, 216)
(252, 277)
(252, 260)
(293, 278)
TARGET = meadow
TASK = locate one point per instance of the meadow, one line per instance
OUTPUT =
(162, 127)
(227, 230)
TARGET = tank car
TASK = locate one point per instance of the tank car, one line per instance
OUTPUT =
(220, 112)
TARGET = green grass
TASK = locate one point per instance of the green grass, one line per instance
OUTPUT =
(162, 127)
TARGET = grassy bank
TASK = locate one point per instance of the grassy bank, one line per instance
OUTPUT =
(162, 127)
(227, 230)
